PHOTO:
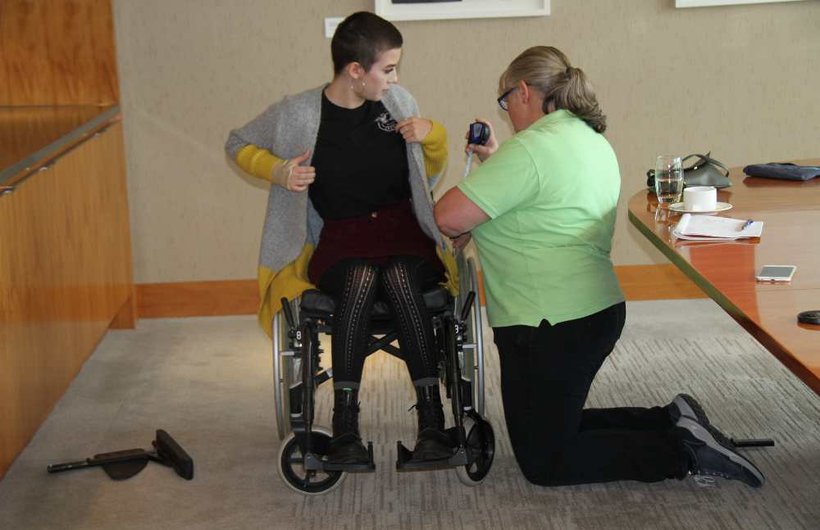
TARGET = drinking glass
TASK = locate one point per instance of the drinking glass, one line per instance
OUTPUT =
(668, 179)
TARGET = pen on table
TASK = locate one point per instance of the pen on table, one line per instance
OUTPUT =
(746, 225)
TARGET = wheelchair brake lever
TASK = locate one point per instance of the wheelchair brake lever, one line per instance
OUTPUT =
(468, 305)
(288, 314)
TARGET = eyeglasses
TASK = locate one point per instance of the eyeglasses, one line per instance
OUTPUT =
(502, 100)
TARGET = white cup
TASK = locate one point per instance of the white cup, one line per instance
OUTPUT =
(700, 199)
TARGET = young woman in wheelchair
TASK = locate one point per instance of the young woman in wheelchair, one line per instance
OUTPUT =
(349, 211)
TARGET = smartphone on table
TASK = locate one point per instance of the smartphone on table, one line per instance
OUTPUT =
(776, 273)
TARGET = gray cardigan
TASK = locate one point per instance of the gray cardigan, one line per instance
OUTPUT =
(289, 127)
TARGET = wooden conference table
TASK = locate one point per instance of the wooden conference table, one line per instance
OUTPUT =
(726, 270)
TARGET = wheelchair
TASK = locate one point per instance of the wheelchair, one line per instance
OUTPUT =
(297, 373)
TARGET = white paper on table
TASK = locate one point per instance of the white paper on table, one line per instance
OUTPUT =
(711, 228)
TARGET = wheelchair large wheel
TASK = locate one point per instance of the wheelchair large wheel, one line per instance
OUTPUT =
(481, 447)
(296, 477)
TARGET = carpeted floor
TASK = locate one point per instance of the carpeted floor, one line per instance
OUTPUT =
(207, 381)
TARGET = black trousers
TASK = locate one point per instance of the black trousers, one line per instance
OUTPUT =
(546, 373)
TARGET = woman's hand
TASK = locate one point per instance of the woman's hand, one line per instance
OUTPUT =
(461, 240)
(414, 129)
(483, 151)
(291, 176)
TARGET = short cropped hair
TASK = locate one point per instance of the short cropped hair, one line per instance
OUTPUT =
(360, 38)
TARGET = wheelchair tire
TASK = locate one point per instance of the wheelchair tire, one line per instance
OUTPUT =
(481, 446)
(291, 468)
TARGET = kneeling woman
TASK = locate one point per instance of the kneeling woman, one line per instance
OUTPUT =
(542, 210)
(355, 218)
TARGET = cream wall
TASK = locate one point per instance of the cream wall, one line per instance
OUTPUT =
(740, 81)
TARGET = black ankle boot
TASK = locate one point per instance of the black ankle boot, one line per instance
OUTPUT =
(346, 446)
(433, 443)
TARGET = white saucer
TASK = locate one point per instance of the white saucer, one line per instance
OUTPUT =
(719, 207)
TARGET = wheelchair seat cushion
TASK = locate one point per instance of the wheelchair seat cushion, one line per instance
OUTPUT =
(315, 303)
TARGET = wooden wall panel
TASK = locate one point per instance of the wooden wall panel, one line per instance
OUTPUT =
(57, 52)
(24, 64)
(65, 271)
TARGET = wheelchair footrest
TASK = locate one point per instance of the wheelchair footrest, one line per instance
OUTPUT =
(406, 462)
(752, 442)
(358, 467)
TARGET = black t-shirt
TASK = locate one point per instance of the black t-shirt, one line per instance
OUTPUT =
(360, 161)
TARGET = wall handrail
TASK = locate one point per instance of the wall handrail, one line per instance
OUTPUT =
(13, 176)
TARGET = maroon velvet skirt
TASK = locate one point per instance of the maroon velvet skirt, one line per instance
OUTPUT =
(389, 231)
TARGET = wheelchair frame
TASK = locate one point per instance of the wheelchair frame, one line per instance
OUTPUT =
(297, 374)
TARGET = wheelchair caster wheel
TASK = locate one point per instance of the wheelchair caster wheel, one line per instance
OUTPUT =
(481, 448)
(291, 466)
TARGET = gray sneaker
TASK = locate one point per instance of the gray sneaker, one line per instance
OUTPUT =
(711, 457)
(685, 406)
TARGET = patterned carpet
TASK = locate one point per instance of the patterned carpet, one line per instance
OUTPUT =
(207, 381)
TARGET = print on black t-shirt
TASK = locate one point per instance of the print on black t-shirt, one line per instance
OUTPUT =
(385, 122)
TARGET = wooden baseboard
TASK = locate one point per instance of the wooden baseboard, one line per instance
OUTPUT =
(241, 297)
(126, 317)
(194, 299)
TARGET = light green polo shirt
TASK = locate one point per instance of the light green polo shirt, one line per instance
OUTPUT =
(551, 192)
